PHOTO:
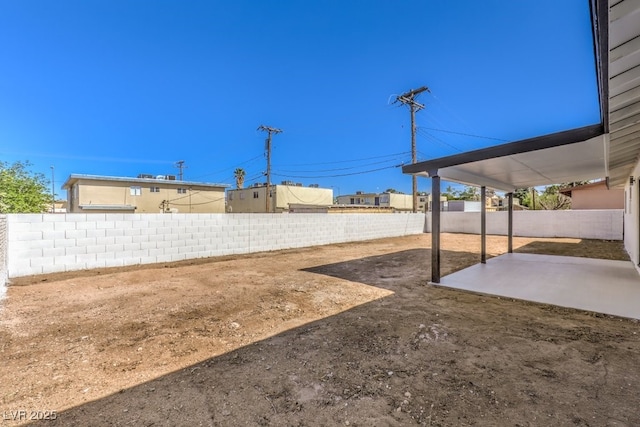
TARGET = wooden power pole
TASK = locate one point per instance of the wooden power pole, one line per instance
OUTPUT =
(180, 165)
(409, 98)
(270, 131)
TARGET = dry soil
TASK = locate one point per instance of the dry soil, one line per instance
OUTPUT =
(348, 334)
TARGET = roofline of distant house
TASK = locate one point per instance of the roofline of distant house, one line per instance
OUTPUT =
(580, 187)
(177, 183)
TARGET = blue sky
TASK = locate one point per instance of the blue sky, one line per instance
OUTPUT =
(119, 87)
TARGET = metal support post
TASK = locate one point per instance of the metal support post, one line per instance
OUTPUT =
(435, 228)
(483, 224)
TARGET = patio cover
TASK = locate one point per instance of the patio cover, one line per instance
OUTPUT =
(575, 155)
(608, 150)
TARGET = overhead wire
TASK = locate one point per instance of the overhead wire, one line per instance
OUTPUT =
(338, 175)
(339, 169)
(230, 168)
(426, 134)
(316, 201)
(438, 125)
(348, 161)
(464, 134)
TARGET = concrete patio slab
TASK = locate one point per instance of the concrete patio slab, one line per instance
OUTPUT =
(602, 286)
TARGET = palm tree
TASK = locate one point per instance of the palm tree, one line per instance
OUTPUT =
(239, 174)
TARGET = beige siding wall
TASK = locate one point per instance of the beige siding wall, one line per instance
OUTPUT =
(247, 200)
(597, 197)
(402, 201)
(102, 193)
(196, 199)
(252, 200)
(287, 194)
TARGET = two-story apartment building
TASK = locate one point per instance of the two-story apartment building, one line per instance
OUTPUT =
(144, 194)
(397, 201)
(253, 199)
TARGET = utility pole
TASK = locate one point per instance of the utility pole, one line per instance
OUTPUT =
(409, 98)
(267, 148)
(180, 165)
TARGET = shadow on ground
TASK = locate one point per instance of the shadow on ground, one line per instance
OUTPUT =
(421, 356)
(599, 249)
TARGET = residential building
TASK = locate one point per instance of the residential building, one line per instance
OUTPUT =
(253, 199)
(595, 195)
(493, 203)
(59, 206)
(299, 208)
(144, 194)
(462, 206)
(397, 201)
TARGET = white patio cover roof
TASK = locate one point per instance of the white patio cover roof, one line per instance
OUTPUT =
(580, 161)
(566, 156)
(609, 150)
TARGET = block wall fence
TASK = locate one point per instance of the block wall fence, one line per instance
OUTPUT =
(3, 253)
(582, 224)
(48, 243)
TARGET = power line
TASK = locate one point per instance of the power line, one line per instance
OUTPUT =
(434, 138)
(339, 175)
(337, 169)
(348, 161)
(255, 178)
(463, 134)
(196, 204)
(315, 201)
(230, 168)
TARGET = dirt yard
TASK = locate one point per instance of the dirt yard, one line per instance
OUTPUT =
(347, 334)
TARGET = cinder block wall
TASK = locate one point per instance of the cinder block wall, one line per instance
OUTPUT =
(48, 243)
(581, 224)
(3, 253)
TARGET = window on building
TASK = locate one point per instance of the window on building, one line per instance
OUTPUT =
(135, 190)
(230, 196)
(154, 189)
(241, 196)
(182, 191)
(255, 194)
